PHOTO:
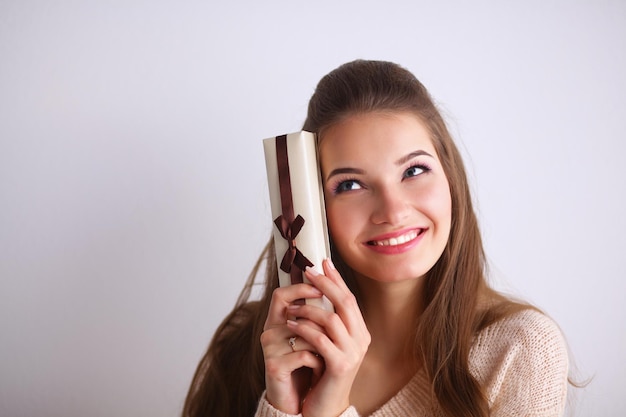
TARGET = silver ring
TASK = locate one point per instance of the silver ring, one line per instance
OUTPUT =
(292, 342)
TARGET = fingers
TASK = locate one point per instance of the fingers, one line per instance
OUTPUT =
(288, 378)
(285, 296)
(283, 365)
(316, 324)
(331, 284)
(290, 368)
(287, 359)
(336, 290)
(341, 338)
(333, 274)
(276, 342)
(331, 344)
(276, 335)
(327, 334)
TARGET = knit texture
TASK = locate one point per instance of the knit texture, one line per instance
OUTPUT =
(520, 361)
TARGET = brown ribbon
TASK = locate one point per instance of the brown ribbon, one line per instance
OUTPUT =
(286, 224)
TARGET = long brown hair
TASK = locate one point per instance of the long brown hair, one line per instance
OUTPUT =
(230, 378)
(458, 302)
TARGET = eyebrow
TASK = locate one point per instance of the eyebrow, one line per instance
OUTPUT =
(412, 155)
(358, 171)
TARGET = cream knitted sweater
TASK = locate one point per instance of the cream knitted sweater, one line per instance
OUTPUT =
(521, 362)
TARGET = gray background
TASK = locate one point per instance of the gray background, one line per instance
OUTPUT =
(132, 183)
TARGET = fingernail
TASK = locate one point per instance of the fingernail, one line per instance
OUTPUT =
(331, 264)
(293, 307)
(292, 323)
(311, 271)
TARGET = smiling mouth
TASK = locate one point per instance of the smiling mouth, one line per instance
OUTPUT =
(398, 240)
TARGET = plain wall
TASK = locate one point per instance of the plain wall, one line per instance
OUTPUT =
(132, 180)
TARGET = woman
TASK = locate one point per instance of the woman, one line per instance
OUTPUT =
(417, 331)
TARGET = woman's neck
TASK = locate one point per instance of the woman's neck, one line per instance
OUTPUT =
(391, 312)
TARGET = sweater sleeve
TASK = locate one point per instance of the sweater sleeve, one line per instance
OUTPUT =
(265, 409)
(522, 363)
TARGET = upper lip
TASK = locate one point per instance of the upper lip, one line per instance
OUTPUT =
(395, 234)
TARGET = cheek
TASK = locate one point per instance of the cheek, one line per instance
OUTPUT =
(445, 204)
(341, 230)
(337, 223)
(438, 202)
(444, 208)
(344, 226)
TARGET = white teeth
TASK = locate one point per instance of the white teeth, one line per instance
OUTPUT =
(394, 241)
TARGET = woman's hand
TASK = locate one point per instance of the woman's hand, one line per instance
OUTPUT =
(288, 372)
(331, 344)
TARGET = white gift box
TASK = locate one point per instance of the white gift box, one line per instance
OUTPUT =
(297, 201)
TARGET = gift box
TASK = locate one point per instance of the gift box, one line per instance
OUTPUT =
(297, 203)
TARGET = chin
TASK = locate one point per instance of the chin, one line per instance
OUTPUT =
(391, 274)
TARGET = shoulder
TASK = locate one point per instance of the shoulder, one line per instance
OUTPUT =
(521, 362)
(528, 328)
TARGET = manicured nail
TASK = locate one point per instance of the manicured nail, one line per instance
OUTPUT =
(331, 264)
(293, 307)
(311, 271)
(292, 323)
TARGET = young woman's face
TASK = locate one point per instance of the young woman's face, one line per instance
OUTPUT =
(387, 198)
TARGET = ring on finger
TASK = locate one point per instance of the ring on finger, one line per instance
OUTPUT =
(292, 343)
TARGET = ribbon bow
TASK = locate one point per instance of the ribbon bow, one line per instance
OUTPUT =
(289, 231)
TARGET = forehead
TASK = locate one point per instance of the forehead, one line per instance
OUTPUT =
(374, 136)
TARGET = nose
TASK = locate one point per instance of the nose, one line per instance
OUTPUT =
(391, 206)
